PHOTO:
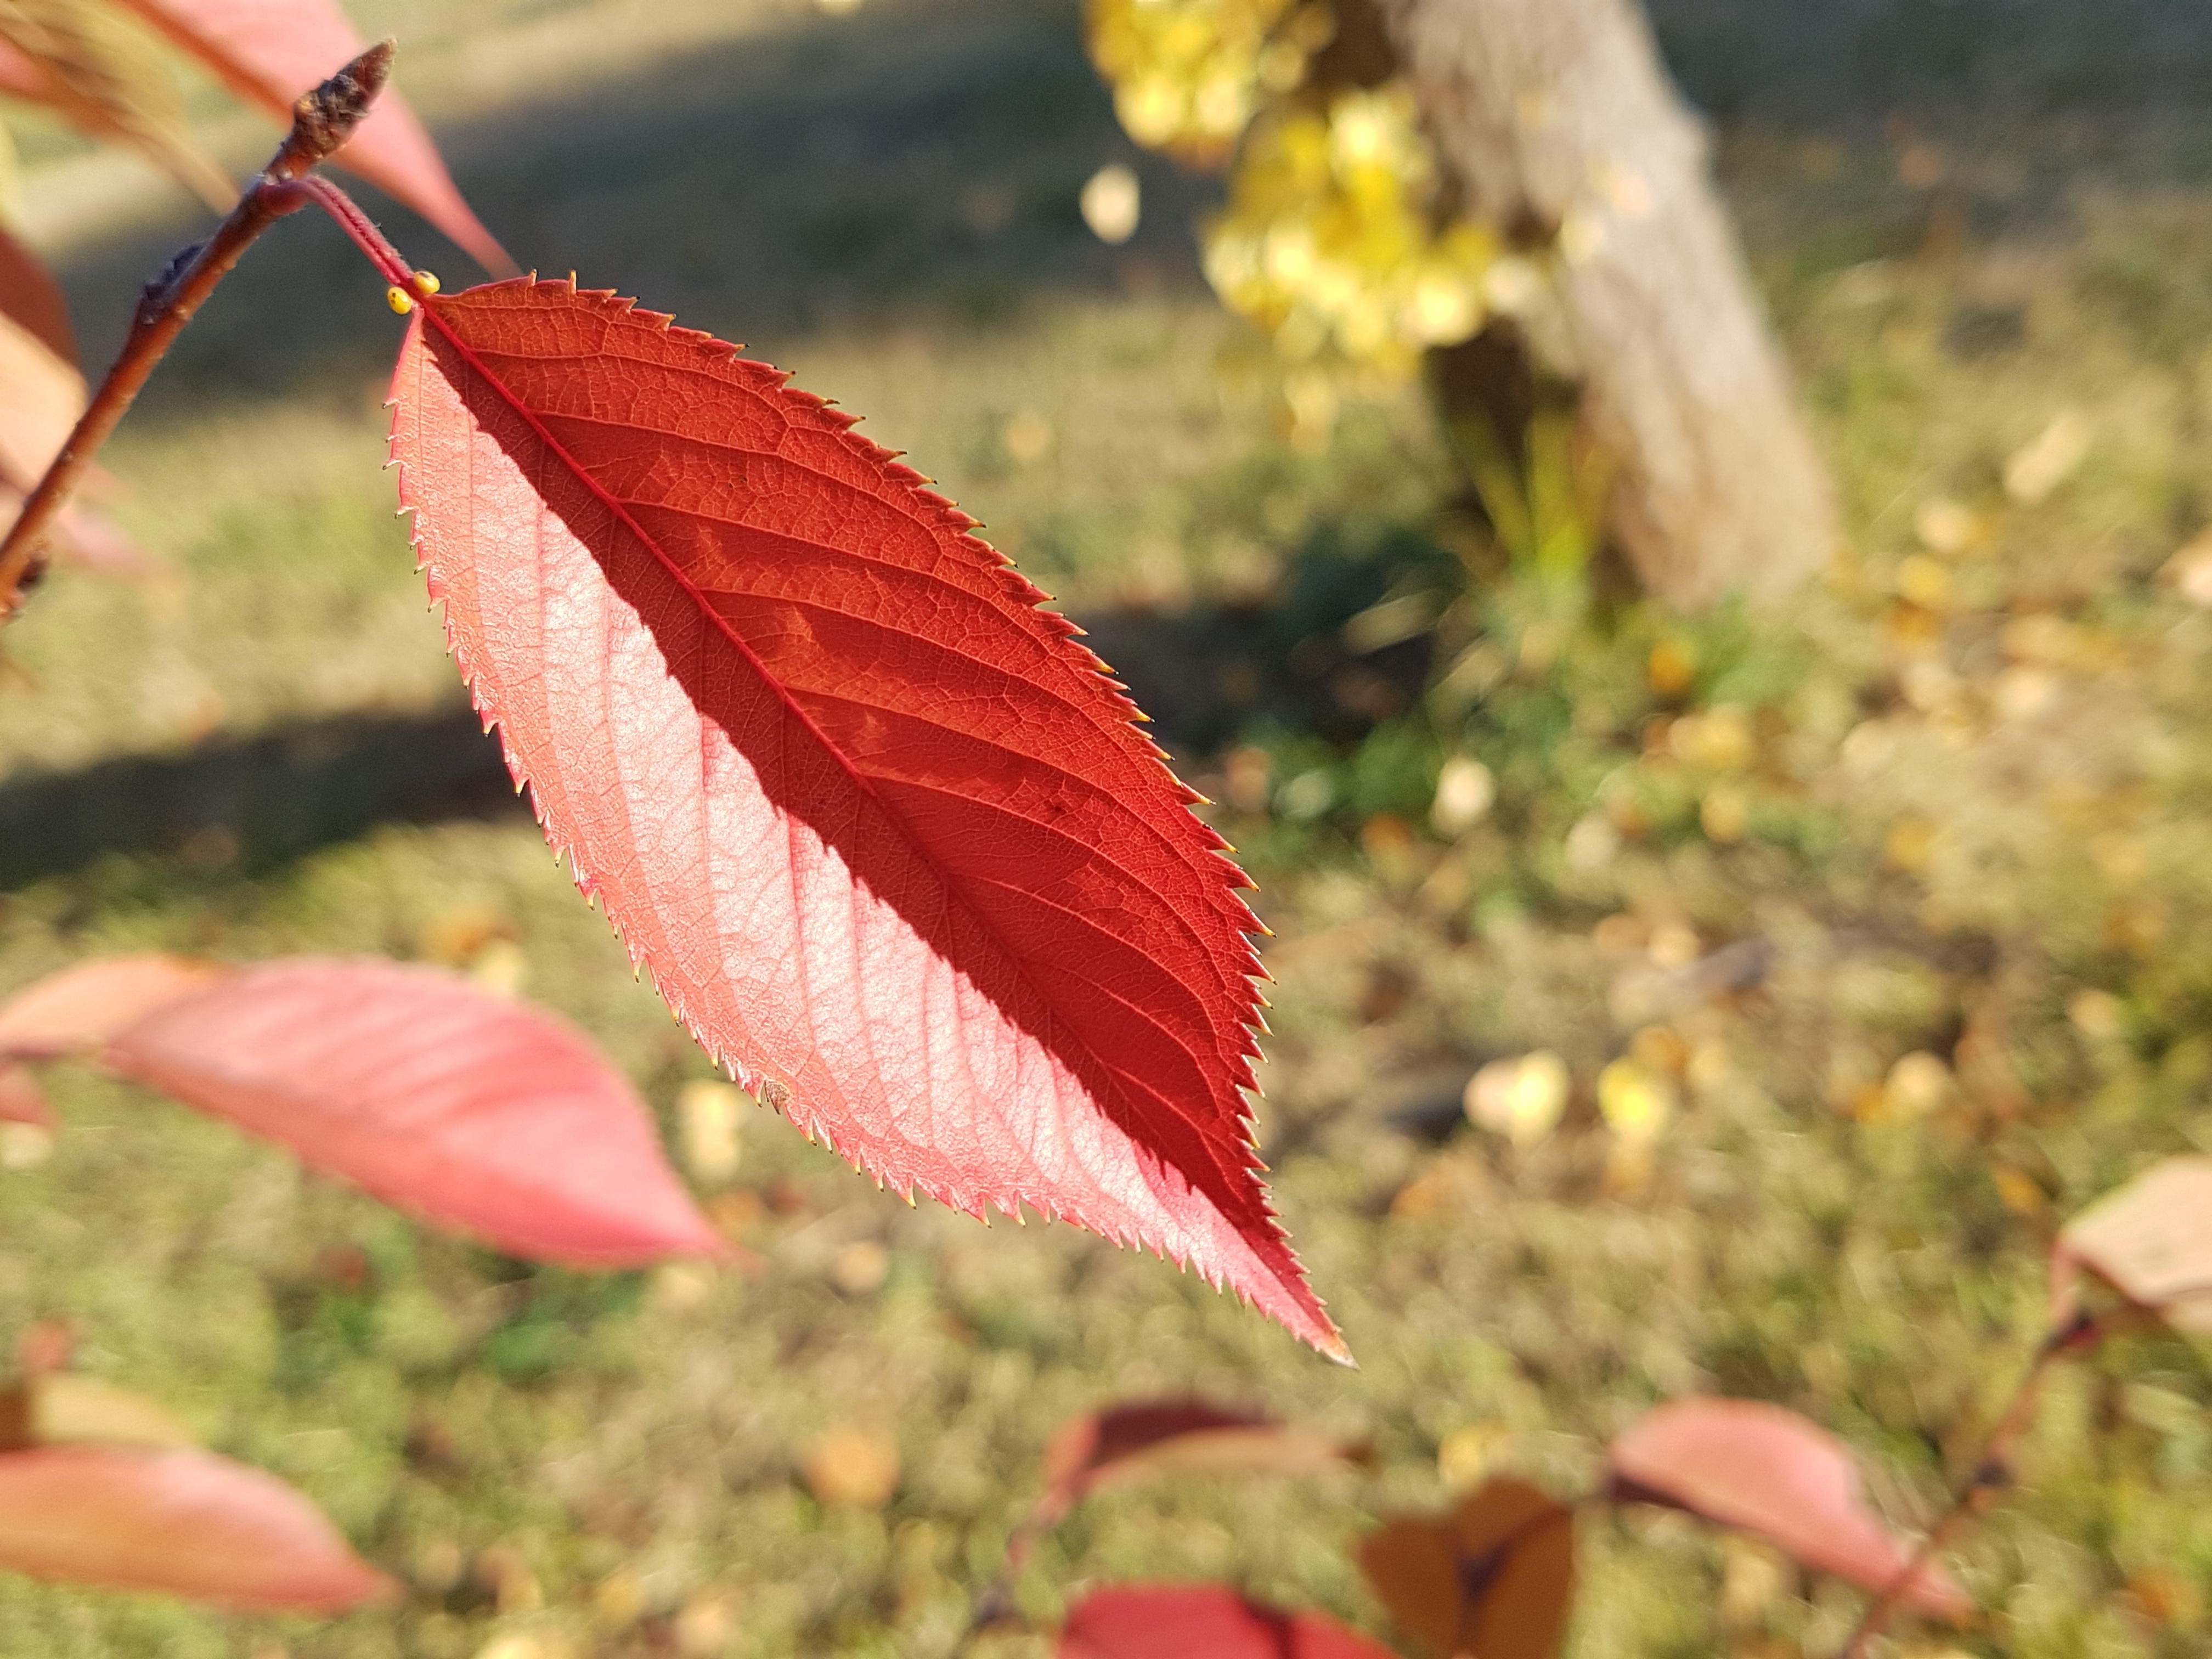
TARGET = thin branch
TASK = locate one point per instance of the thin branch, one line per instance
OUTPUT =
(321, 121)
(1991, 1473)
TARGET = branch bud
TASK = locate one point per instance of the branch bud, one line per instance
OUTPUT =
(324, 119)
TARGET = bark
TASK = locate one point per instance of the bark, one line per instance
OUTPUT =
(1557, 114)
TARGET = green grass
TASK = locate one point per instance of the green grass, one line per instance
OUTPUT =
(634, 1442)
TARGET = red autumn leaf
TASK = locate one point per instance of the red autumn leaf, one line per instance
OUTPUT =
(269, 51)
(1747, 1464)
(32, 300)
(466, 1110)
(1202, 1622)
(180, 1521)
(79, 1009)
(1125, 1442)
(883, 831)
(2151, 1241)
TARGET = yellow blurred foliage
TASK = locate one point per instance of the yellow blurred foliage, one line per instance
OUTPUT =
(1331, 242)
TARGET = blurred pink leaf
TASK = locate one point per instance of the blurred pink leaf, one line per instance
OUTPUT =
(21, 1100)
(1128, 1442)
(1202, 1622)
(2151, 1241)
(80, 1008)
(1747, 1464)
(269, 51)
(180, 1521)
(467, 1109)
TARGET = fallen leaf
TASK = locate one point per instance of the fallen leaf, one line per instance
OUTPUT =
(2151, 1241)
(1521, 1098)
(1747, 1464)
(2037, 468)
(1201, 1621)
(886, 835)
(707, 1114)
(178, 1522)
(852, 1467)
(1492, 1579)
(269, 51)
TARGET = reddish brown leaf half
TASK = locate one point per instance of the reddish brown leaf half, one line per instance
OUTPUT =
(457, 1106)
(183, 1522)
(1745, 1463)
(1494, 1579)
(2151, 1241)
(80, 1008)
(883, 831)
(1128, 1442)
(1202, 1622)
(269, 51)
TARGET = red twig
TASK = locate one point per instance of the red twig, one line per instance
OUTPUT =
(1991, 1473)
(321, 121)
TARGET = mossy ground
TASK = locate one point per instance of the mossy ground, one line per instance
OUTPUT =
(1963, 807)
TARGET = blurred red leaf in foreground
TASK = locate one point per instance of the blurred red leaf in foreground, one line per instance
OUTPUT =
(41, 395)
(269, 51)
(469, 1110)
(2151, 1241)
(31, 299)
(186, 1522)
(1494, 1579)
(1747, 1464)
(884, 831)
(78, 1009)
(1202, 1622)
(21, 1101)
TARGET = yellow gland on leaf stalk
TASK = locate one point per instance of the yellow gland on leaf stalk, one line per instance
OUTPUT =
(425, 282)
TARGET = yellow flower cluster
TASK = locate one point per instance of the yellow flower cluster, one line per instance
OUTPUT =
(1188, 74)
(1328, 243)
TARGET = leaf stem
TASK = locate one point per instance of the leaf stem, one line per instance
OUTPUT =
(321, 121)
(1991, 1473)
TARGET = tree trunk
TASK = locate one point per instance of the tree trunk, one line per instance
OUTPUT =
(1556, 113)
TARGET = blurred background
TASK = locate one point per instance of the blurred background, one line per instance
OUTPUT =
(1668, 998)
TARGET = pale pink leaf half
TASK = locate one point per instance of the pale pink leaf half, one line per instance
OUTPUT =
(468, 1110)
(269, 51)
(77, 1010)
(880, 828)
(1763, 1468)
(179, 1521)
(1202, 1622)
